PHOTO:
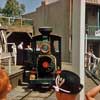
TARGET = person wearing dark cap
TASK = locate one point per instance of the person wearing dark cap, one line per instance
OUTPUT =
(67, 85)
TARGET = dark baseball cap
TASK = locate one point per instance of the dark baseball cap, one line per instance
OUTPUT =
(68, 82)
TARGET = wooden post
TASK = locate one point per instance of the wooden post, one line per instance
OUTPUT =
(9, 67)
(78, 34)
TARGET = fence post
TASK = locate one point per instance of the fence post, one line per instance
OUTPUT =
(21, 21)
(9, 67)
(0, 59)
(8, 20)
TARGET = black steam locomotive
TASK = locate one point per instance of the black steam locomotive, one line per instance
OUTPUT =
(46, 58)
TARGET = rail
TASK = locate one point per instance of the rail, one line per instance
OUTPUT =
(11, 21)
(9, 55)
(2, 57)
(92, 64)
(93, 1)
(90, 30)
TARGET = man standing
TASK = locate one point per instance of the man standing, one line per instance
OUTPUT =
(20, 54)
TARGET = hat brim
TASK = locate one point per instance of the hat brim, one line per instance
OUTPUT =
(76, 91)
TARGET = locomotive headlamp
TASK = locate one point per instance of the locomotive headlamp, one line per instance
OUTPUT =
(45, 64)
(45, 48)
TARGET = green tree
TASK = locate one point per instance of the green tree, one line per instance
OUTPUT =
(12, 8)
(0, 11)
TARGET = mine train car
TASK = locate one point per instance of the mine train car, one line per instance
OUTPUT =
(46, 58)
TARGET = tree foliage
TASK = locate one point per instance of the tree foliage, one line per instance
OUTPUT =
(0, 10)
(12, 8)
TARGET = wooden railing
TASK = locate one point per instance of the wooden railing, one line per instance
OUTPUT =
(9, 58)
(6, 57)
(11, 21)
(90, 30)
(93, 1)
(92, 63)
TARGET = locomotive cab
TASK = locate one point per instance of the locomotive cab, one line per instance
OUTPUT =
(46, 58)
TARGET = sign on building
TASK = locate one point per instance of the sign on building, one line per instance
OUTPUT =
(97, 33)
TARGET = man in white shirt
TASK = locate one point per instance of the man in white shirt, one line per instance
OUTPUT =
(20, 46)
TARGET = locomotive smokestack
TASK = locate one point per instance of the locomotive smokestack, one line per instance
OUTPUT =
(45, 30)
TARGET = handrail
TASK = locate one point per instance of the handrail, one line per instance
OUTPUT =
(92, 63)
(91, 29)
(9, 60)
(9, 55)
(15, 21)
(93, 1)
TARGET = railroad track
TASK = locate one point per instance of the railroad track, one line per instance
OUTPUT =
(94, 78)
(24, 93)
(23, 97)
(19, 93)
(39, 96)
